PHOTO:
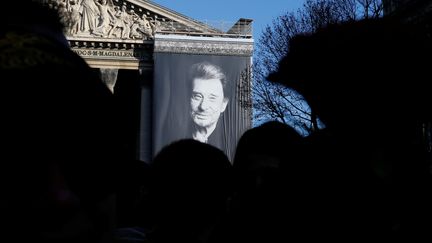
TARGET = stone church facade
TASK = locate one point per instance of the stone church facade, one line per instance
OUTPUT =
(119, 38)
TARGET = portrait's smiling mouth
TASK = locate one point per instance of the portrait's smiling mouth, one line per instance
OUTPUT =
(202, 116)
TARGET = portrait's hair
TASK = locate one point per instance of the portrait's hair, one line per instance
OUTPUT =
(207, 70)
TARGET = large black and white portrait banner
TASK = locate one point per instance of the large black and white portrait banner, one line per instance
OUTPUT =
(200, 97)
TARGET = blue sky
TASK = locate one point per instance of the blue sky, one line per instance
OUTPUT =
(211, 11)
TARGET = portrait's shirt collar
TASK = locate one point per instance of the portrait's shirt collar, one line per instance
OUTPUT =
(200, 137)
(202, 134)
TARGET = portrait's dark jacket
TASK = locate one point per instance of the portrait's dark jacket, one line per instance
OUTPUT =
(218, 138)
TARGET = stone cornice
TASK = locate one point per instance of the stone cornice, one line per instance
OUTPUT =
(203, 45)
(114, 54)
(120, 54)
(92, 42)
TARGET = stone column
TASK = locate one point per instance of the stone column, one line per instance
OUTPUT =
(109, 77)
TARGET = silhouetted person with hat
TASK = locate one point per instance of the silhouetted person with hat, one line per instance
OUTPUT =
(367, 82)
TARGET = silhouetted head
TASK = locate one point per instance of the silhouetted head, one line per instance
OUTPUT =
(30, 19)
(367, 81)
(273, 140)
(362, 73)
(190, 182)
(263, 152)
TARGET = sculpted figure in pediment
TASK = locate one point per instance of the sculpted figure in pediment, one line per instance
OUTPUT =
(122, 22)
(73, 8)
(89, 16)
(142, 27)
(106, 16)
(102, 18)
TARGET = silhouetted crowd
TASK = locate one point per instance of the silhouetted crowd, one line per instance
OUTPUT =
(67, 177)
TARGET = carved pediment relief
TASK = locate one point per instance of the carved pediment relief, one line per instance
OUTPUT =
(125, 20)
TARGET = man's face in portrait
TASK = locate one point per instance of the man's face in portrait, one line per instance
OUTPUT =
(207, 101)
